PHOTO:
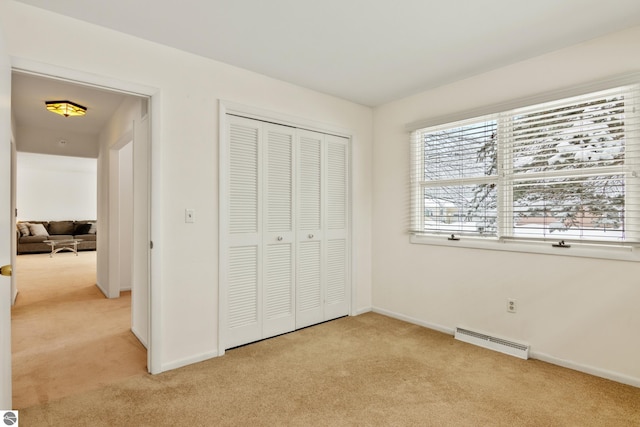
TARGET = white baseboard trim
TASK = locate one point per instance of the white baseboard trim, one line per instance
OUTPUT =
(360, 311)
(139, 337)
(435, 327)
(597, 372)
(104, 292)
(125, 289)
(188, 361)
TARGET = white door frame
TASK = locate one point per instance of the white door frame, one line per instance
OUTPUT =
(116, 260)
(14, 237)
(23, 65)
(7, 229)
(7, 226)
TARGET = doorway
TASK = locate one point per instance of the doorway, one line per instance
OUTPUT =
(67, 336)
(128, 120)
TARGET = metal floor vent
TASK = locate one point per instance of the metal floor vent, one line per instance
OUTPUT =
(493, 343)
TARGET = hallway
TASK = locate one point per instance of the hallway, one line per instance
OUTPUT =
(66, 336)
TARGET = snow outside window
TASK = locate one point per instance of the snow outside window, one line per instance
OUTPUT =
(560, 171)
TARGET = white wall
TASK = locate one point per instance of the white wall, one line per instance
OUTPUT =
(186, 143)
(574, 311)
(112, 264)
(36, 140)
(52, 188)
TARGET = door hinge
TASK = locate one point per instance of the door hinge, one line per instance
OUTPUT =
(151, 244)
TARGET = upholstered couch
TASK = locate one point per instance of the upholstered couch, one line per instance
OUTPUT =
(32, 234)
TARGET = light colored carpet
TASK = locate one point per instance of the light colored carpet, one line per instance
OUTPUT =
(368, 370)
(66, 336)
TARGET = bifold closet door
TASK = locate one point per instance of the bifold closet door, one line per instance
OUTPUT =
(336, 233)
(278, 235)
(322, 235)
(310, 271)
(258, 263)
(241, 256)
(284, 230)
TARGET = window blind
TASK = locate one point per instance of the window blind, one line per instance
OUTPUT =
(561, 170)
(457, 169)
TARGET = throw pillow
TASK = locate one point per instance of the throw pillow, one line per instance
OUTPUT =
(61, 227)
(93, 228)
(38, 230)
(82, 229)
(23, 227)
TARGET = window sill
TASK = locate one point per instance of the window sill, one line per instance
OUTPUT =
(613, 252)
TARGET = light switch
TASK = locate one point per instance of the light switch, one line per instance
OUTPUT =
(189, 216)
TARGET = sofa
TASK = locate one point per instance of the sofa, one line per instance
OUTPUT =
(32, 234)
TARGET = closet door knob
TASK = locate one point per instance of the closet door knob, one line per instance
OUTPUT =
(279, 238)
(311, 236)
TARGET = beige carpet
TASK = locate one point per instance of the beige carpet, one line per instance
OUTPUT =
(368, 370)
(66, 336)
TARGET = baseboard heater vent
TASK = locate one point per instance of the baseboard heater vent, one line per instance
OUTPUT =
(493, 343)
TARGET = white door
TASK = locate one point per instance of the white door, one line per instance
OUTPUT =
(284, 245)
(337, 296)
(142, 234)
(241, 225)
(323, 228)
(309, 292)
(6, 226)
(278, 230)
(258, 257)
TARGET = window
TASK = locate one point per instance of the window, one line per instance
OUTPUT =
(561, 171)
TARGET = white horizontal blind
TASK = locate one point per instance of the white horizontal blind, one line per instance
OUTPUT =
(563, 170)
(573, 168)
(455, 177)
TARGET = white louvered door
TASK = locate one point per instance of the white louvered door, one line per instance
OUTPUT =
(284, 231)
(278, 235)
(309, 286)
(336, 228)
(241, 261)
(323, 250)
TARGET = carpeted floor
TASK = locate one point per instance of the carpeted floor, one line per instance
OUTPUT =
(368, 370)
(66, 336)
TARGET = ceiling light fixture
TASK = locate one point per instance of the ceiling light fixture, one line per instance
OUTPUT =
(66, 108)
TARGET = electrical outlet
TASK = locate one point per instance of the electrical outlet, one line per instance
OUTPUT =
(512, 305)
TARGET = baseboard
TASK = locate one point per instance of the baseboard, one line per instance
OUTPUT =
(139, 337)
(597, 372)
(188, 361)
(435, 327)
(360, 311)
(104, 292)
